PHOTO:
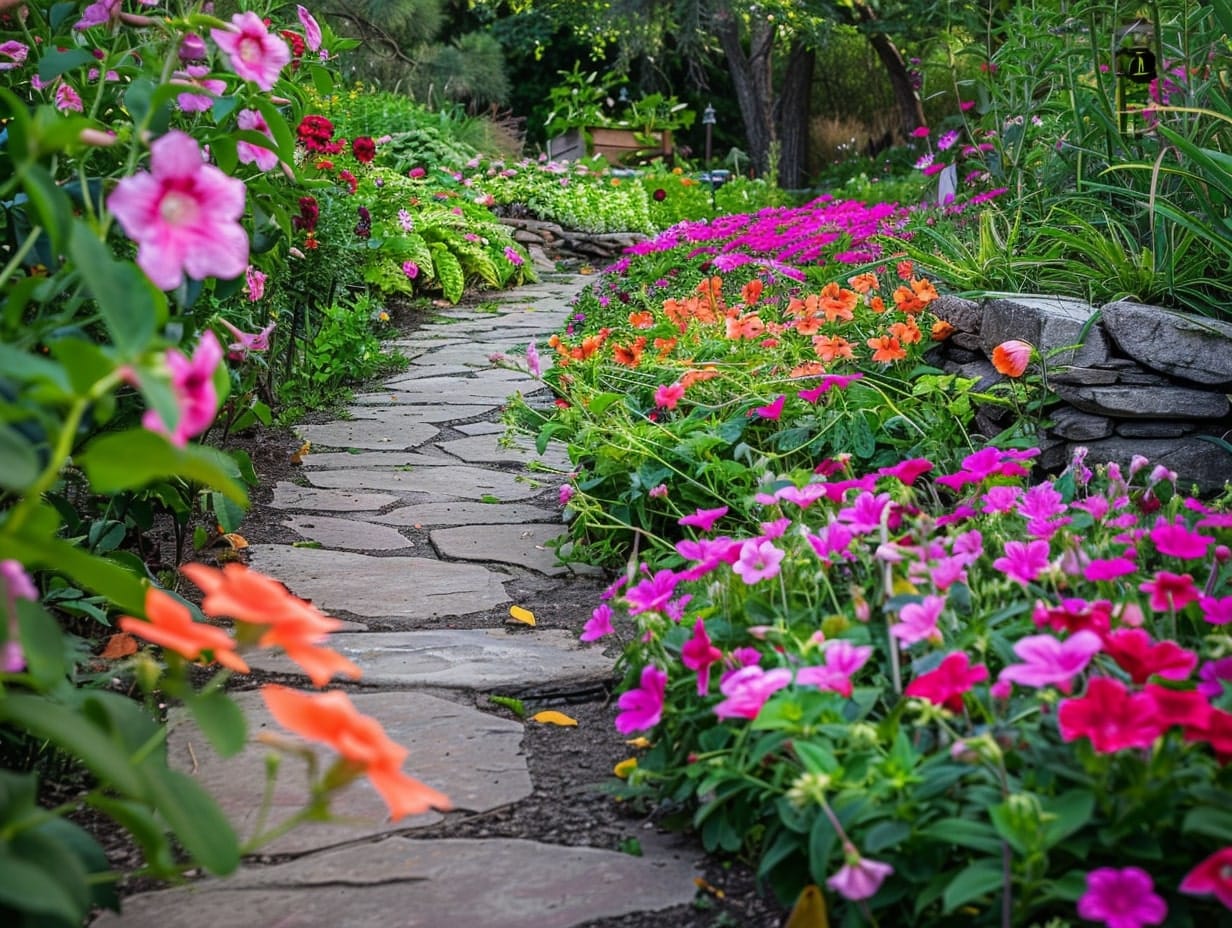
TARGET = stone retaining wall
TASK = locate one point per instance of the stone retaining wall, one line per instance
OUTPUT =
(549, 240)
(1131, 378)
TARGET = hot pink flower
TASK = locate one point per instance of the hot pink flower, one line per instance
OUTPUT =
(698, 654)
(1049, 661)
(1108, 568)
(1212, 876)
(67, 99)
(1023, 561)
(703, 519)
(1110, 716)
(653, 593)
(193, 384)
(599, 624)
(254, 281)
(249, 153)
(184, 215)
(759, 560)
(747, 690)
(1176, 540)
(946, 685)
(312, 31)
(842, 660)
(1122, 898)
(918, 621)
(246, 341)
(835, 538)
(642, 708)
(1170, 591)
(1141, 657)
(195, 76)
(254, 52)
(1187, 708)
(907, 471)
(859, 878)
(97, 13)
(774, 410)
(668, 395)
(16, 52)
(1216, 611)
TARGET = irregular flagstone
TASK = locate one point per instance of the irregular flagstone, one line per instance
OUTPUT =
(480, 428)
(466, 513)
(453, 391)
(463, 658)
(472, 757)
(483, 449)
(442, 370)
(374, 433)
(291, 496)
(367, 459)
(373, 405)
(408, 588)
(349, 534)
(404, 883)
(523, 545)
(461, 481)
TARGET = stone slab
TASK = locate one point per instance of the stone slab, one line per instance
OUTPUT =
(1196, 348)
(523, 545)
(348, 534)
(395, 405)
(479, 659)
(461, 481)
(404, 883)
(1129, 402)
(334, 460)
(442, 370)
(373, 434)
(472, 757)
(450, 392)
(291, 496)
(484, 449)
(480, 428)
(407, 588)
(466, 513)
(1046, 322)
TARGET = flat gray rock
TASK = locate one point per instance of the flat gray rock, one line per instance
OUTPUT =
(461, 481)
(523, 545)
(472, 757)
(372, 459)
(348, 534)
(466, 513)
(481, 428)
(485, 449)
(290, 496)
(407, 588)
(374, 434)
(469, 659)
(449, 392)
(404, 883)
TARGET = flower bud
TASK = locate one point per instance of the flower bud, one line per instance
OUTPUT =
(192, 48)
(96, 137)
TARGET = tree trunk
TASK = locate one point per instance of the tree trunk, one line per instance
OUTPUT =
(794, 109)
(910, 108)
(752, 80)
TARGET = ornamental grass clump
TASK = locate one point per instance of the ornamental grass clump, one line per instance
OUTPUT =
(949, 694)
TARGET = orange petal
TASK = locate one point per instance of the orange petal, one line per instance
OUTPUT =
(321, 664)
(404, 795)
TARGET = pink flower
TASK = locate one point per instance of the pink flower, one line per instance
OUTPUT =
(312, 31)
(703, 519)
(1170, 591)
(1122, 898)
(68, 100)
(842, 660)
(652, 594)
(1011, 357)
(15, 51)
(246, 342)
(255, 54)
(410, 269)
(1213, 875)
(759, 560)
(599, 624)
(907, 471)
(698, 654)
(1141, 657)
(1023, 561)
(254, 280)
(835, 538)
(918, 621)
(1216, 611)
(1212, 677)
(183, 214)
(566, 493)
(194, 76)
(920, 132)
(97, 13)
(747, 690)
(774, 410)
(192, 382)
(642, 708)
(859, 878)
(512, 256)
(1048, 660)
(250, 153)
(1176, 540)
(1108, 568)
(946, 685)
(668, 395)
(1110, 716)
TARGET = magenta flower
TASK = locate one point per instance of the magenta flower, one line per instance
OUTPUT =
(835, 538)
(703, 519)
(247, 341)
(759, 560)
(312, 31)
(803, 496)
(254, 53)
(1122, 898)
(859, 878)
(195, 76)
(97, 13)
(68, 100)
(866, 512)
(641, 708)
(1176, 540)
(842, 660)
(698, 654)
(192, 381)
(653, 593)
(918, 621)
(183, 214)
(1110, 716)
(907, 471)
(254, 281)
(533, 363)
(1049, 661)
(250, 153)
(747, 690)
(1170, 591)
(1023, 561)
(668, 395)
(599, 624)
(1212, 876)
(1216, 611)
(565, 493)
(1212, 677)
(15, 51)
(1108, 568)
(15, 584)
(946, 685)
(512, 256)
(410, 269)
(774, 410)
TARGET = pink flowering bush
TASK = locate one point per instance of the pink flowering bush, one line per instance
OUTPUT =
(921, 686)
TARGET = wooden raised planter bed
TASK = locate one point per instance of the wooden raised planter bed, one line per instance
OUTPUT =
(618, 146)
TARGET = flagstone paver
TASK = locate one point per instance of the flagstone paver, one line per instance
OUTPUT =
(481, 449)
(368, 433)
(460, 481)
(480, 428)
(347, 534)
(372, 459)
(291, 496)
(465, 513)
(522, 544)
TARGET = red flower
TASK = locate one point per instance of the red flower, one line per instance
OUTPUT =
(1011, 357)
(1187, 708)
(364, 149)
(349, 179)
(1213, 875)
(309, 213)
(1140, 657)
(1111, 716)
(1217, 732)
(945, 685)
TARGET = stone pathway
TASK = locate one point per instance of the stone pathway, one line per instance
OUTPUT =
(423, 454)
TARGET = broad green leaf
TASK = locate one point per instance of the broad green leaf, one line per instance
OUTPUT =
(197, 821)
(42, 849)
(131, 308)
(228, 513)
(85, 362)
(145, 828)
(1214, 823)
(814, 757)
(1072, 810)
(27, 887)
(979, 879)
(220, 720)
(55, 212)
(884, 835)
(43, 644)
(31, 368)
(976, 835)
(21, 464)
(277, 122)
(125, 589)
(821, 843)
(601, 402)
(137, 457)
(55, 62)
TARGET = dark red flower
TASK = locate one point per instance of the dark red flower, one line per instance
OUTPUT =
(364, 149)
(295, 41)
(660, 194)
(349, 179)
(309, 213)
(314, 133)
(945, 685)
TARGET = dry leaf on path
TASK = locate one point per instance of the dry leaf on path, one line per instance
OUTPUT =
(809, 910)
(119, 645)
(518, 614)
(625, 767)
(552, 717)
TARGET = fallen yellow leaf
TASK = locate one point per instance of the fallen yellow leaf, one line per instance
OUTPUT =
(299, 455)
(552, 717)
(638, 742)
(709, 887)
(625, 767)
(809, 910)
(235, 540)
(119, 645)
(522, 615)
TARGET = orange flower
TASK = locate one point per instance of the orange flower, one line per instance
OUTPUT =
(830, 348)
(691, 377)
(170, 625)
(751, 292)
(924, 290)
(664, 346)
(807, 369)
(863, 283)
(332, 719)
(905, 270)
(630, 356)
(295, 626)
(809, 325)
(877, 305)
(907, 332)
(747, 326)
(641, 320)
(1011, 357)
(941, 330)
(906, 300)
(886, 349)
(837, 302)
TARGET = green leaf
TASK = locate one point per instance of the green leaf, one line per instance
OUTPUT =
(976, 835)
(220, 720)
(137, 457)
(131, 308)
(979, 879)
(197, 821)
(884, 835)
(124, 588)
(54, 62)
(21, 464)
(43, 644)
(448, 272)
(31, 368)
(516, 706)
(1214, 823)
(144, 826)
(821, 844)
(1072, 810)
(283, 139)
(27, 887)
(601, 402)
(814, 757)
(55, 212)
(228, 514)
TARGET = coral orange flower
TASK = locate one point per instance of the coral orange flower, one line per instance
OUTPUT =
(170, 625)
(809, 325)
(807, 369)
(886, 349)
(747, 326)
(907, 332)
(1011, 357)
(332, 719)
(751, 292)
(664, 346)
(832, 347)
(924, 290)
(941, 330)
(630, 356)
(906, 300)
(641, 320)
(905, 270)
(837, 302)
(695, 376)
(877, 305)
(863, 283)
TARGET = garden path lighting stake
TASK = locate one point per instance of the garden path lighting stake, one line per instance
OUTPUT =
(708, 122)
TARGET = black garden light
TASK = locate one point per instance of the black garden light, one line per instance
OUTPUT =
(1135, 69)
(708, 122)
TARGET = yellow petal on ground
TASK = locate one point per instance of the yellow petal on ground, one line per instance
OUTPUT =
(809, 910)
(518, 614)
(298, 456)
(625, 767)
(552, 717)
(235, 540)
(638, 742)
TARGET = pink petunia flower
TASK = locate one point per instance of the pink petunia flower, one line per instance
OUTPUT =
(1141, 657)
(512, 255)
(1170, 591)
(774, 410)
(653, 593)
(192, 381)
(1176, 540)
(642, 708)
(15, 52)
(195, 76)
(1108, 568)
(759, 560)
(68, 100)
(698, 654)
(255, 54)
(668, 395)
(842, 660)
(918, 621)
(183, 214)
(1213, 876)
(1110, 716)
(703, 519)
(1122, 898)
(312, 31)
(1212, 677)
(859, 878)
(599, 624)
(747, 690)
(1048, 661)
(1023, 562)
(247, 341)
(250, 153)
(97, 13)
